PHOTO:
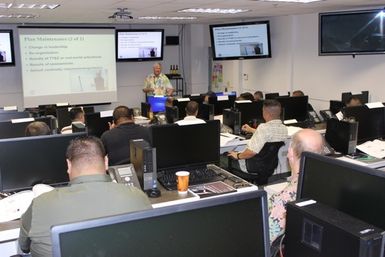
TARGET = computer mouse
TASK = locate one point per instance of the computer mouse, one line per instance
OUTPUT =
(153, 193)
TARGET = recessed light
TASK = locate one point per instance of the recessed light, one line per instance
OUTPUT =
(291, 1)
(213, 10)
(19, 16)
(166, 18)
(28, 6)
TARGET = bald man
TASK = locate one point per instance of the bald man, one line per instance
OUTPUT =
(90, 194)
(306, 140)
(157, 83)
(271, 131)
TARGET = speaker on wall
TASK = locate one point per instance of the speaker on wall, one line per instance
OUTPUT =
(172, 40)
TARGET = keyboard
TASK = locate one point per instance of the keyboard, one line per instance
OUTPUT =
(198, 176)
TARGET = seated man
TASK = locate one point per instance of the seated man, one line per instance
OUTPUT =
(191, 115)
(76, 116)
(353, 101)
(258, 96)
(37, 128)
(304, 140)
(271, 131)
(117, 140)
(157, 83)
(90, 194)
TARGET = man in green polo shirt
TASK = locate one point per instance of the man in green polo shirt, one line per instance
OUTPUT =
(91, 194)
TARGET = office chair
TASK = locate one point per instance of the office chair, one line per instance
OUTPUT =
(261, 166)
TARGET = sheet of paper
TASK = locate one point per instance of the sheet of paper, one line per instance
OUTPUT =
(106, 113)
(222, 97)
(291, 130)
(292, 121)
(374, 148)
(374, 105)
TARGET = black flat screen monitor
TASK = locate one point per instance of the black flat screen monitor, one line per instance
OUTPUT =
(336, 106)
(250, 112)
(27, 161)
(271, 95)
(7, 55)
(139, 44)
(228, 226)
(9, 115)
(181, 105)
(13, 129)
(157, 103)
(183, 146)
(358, 32)
(222, 102)
(247, 40)
(354, 189)
(195, 97)
(171, 114)
(363, 96)
(294, 107)
(206, 111)
(97, 125)
(371, 122)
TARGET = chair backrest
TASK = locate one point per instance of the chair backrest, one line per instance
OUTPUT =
(266, 160)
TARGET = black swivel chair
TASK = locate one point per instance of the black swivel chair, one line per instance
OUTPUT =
(261, 166)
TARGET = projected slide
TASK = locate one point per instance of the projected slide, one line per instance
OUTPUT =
(241, 40)
(71, 65)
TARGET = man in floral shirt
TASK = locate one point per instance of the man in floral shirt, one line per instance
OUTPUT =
(304, 140)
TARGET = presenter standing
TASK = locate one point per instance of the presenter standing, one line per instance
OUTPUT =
(157, 83)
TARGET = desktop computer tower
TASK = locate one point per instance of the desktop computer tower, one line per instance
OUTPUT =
(342, 135)
(143, 157)
(232, 119)
(317, 230)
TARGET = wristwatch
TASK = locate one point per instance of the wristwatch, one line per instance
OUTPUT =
(238, 155)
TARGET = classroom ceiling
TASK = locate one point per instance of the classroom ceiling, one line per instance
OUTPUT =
(99, 11)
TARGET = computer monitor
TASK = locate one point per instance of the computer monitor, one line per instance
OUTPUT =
(371, 122)
(9, 115)
(158, 103)
(222, 102)
(9, 129)
(199, 98)
(183, 146)
(294, 107)
(206, 111)
(227, 226)
(353, 189)
(172, 114)
(250, 111)
(336, 106)
(271, 95)
(181, 105)
(97, 125)
(145, 108)
(63, 117)
(363, 96)
(27, 161)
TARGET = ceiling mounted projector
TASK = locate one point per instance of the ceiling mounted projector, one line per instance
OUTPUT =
(121, 13)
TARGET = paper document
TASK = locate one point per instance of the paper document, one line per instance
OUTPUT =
(227, 138)
(374, 105)
(292, 121)
(291, 130)
(374, 148)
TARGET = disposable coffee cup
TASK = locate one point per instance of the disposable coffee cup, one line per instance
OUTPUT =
(182, 181)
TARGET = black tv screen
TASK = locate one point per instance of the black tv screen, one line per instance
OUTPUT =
(7, 56)
(139, 45)
(359, 32)
(246, 40)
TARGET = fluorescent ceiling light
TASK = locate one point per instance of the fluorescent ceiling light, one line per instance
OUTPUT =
(28, 6)
(166, 18)
(291, 1)
(19, 16)
(213, 10)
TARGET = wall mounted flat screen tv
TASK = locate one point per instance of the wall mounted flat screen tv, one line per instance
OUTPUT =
(139, 45)
(7, 56)
(351, 33)
(246, 40)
